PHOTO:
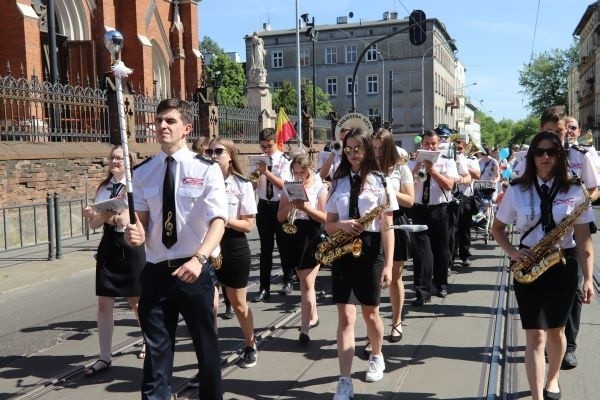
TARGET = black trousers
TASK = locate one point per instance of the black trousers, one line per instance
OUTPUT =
(163, 298)
(462, 236)
(269, 231)
(572, 326)
(431, 253)
(453, 213)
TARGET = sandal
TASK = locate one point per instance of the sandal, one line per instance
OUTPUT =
(142, 354)
(395, 338)
(96, 368)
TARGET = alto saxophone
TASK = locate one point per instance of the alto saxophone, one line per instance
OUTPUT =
(341, 243)
(546, 252)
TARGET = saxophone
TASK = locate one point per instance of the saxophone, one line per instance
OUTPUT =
(546, 252)
(340, 243)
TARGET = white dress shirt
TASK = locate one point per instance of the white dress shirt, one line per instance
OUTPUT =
(437, 195)
(240, 197)
(280, 167)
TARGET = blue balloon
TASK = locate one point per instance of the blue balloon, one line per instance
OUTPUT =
(506, 174)
(503, 154)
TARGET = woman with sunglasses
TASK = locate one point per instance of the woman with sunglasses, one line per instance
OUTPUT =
(356, 189)
(310, 216)
(538, 201)
(118, 265)
(235, 269)
(394, 167)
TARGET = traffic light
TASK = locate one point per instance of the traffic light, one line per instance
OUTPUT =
(417, 27)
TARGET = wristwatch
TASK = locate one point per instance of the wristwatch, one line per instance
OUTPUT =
(202, 258)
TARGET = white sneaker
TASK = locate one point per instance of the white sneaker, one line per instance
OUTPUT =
(375, 368)
(345, 390)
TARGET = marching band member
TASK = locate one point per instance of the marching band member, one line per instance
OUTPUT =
(308, 219)
(538, 201)
(393, 164)
(432, 194)
(235, 270)
(268, 190)
(358, 191)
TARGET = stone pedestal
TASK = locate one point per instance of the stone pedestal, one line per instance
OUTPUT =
(259, 97)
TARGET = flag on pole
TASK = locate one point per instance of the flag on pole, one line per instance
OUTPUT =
(285, 129)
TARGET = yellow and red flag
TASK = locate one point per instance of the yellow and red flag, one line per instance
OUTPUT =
(285, 129)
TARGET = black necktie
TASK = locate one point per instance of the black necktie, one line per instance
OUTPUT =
(269, 193)
(426, 190)
(116, 188)
(169, 229)
(355, 182)
(546, 209)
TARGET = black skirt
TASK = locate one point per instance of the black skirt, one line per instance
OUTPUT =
(303, 244)
(235, 271)
(401, 238)
(546, 302)
(118, 266)
(359, 278)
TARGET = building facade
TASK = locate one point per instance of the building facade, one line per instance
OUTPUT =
(389, 78)
(160, 41)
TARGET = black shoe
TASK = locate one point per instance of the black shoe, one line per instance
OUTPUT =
(419, 301)
(304, 339)
(228, 314)
(286, 289)
(569, 360)
(195, 381)
(263, 295)
(465, 262)
(442, 293)
(249, 358)
(552, 395)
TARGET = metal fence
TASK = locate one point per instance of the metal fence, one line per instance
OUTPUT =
(241, 125)
(44, 223)
(39, 111)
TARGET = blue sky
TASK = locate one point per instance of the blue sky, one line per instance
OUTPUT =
(494, 38)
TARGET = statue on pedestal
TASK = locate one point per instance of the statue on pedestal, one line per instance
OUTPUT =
(258, 73)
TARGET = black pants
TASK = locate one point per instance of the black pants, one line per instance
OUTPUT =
(572, 326)
(453, 213)
(163, 298)
(463, 229)
(269, 230)
(431, 254)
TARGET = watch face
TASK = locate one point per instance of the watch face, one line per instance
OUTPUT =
(203, 259)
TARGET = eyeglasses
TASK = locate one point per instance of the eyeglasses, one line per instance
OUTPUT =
(551, 152)
(115, 159)
(358, 150)
(572, 127)
(215, 152)
(264, 147)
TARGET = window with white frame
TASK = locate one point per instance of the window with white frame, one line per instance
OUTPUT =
(373, 112)
(372, 84)
(372, 53)
(277, 59)
(349, 86)
(304, 57)
(351, 53)
(330, 55)
(277, 85)
(332, 88)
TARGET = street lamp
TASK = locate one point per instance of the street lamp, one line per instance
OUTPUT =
(457, 90)
(311, 33)
(382, 88)
(423, 82)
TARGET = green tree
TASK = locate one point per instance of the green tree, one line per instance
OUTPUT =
(209, 46)
(544, 79)
(524, 130)
(229, 79)
(286, 96)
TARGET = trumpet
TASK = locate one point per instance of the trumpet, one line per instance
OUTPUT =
(421, 174)
(335, 146)
(587, 139)
(254, 176)
(289, 226)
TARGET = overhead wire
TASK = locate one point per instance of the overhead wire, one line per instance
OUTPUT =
(537, 15)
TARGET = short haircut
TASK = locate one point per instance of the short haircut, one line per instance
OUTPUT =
(184, 108)
(267, 134)
(554, 114)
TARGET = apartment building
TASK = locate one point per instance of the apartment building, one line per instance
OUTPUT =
(395, 80)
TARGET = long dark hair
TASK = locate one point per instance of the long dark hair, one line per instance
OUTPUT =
(389, 153)
(560, 171)
(368, 165)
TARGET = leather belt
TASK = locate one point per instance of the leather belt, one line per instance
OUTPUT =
(174, 263)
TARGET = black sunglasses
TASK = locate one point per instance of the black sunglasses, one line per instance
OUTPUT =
(216, 152)
(551, 152)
